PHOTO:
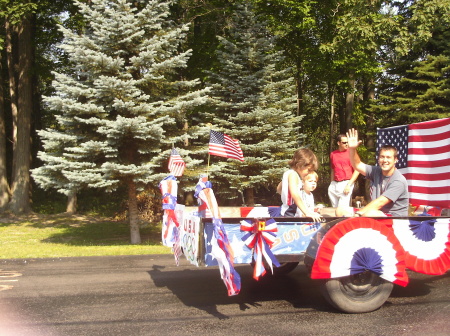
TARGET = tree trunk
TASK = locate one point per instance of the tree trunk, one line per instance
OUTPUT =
(300, 89)
(4, 186)
(370, 128)
(341, 111)
(10, 32)
(370, 141)
(250, 196)
(349, 103)
(332, 133)
(135, 236)
(189, 198)
(72, 201)
(20, 200)
(300, 92)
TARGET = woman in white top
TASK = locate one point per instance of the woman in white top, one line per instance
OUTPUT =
(303, 162)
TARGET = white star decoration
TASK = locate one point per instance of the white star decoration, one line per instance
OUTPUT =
(239, 249)
(397, 137)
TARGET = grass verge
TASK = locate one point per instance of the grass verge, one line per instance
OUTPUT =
(64, 235)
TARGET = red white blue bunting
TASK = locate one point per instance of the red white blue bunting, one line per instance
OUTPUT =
(206, 199)
(426, 243)
(221, 249)
(170, 226)
(359, 244)
(260, 237)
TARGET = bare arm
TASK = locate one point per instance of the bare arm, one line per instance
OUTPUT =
(353, 143)
(351, 182)
(373, 208)
(294, 189)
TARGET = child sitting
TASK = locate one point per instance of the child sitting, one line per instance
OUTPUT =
(309, 185)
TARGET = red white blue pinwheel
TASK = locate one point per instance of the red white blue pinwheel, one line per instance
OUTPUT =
(426, 244)
(260, 237)
(356, 245)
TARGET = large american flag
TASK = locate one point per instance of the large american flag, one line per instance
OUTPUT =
(424, 159)
(221, 144)
(176, 163)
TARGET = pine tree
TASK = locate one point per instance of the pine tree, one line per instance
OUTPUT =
(417, 86)
(122, 108)
(254, 103)
(424, 94)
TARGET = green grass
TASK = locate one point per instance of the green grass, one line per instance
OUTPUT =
(62, 235)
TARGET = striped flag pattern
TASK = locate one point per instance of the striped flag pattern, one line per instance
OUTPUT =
(221, 144)
(170, 226)
(424, 159)
(221, 246)
(176, 163)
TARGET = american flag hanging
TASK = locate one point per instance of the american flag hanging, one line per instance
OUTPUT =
(424, 159)
(221, 144)
(170, 226)
(176, 163)
(221, 246)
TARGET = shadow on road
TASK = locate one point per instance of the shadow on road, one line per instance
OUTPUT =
(419, 285)
(203, 289)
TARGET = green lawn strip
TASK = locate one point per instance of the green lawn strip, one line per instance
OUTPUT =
(72, 236)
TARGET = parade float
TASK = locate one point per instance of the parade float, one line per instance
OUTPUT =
(357, 260)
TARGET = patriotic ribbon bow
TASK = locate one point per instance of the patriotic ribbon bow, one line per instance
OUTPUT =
(260, 237)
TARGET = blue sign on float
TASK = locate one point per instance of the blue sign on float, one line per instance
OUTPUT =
(292, 238)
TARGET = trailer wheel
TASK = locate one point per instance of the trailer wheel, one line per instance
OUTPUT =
(359, 293)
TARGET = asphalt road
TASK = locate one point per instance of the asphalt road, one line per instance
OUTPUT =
(150, 295)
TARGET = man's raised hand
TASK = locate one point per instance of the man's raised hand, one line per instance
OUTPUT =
(352, 138)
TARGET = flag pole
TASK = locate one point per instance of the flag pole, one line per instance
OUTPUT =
(209, 155)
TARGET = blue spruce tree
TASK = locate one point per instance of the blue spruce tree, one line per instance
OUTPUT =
(122, 108)
(255, 102)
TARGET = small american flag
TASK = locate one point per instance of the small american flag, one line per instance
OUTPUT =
(176, 163)
(221, 144)
(423, 158)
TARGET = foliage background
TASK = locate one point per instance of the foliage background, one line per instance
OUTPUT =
(365, 64)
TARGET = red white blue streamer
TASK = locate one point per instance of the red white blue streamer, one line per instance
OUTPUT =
(359, 244)
(260, 237)
(170, 226)
(221, 247)
(426, 243)
(223, 253)
(205, 187)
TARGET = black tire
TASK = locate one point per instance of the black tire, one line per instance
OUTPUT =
(359, 293)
